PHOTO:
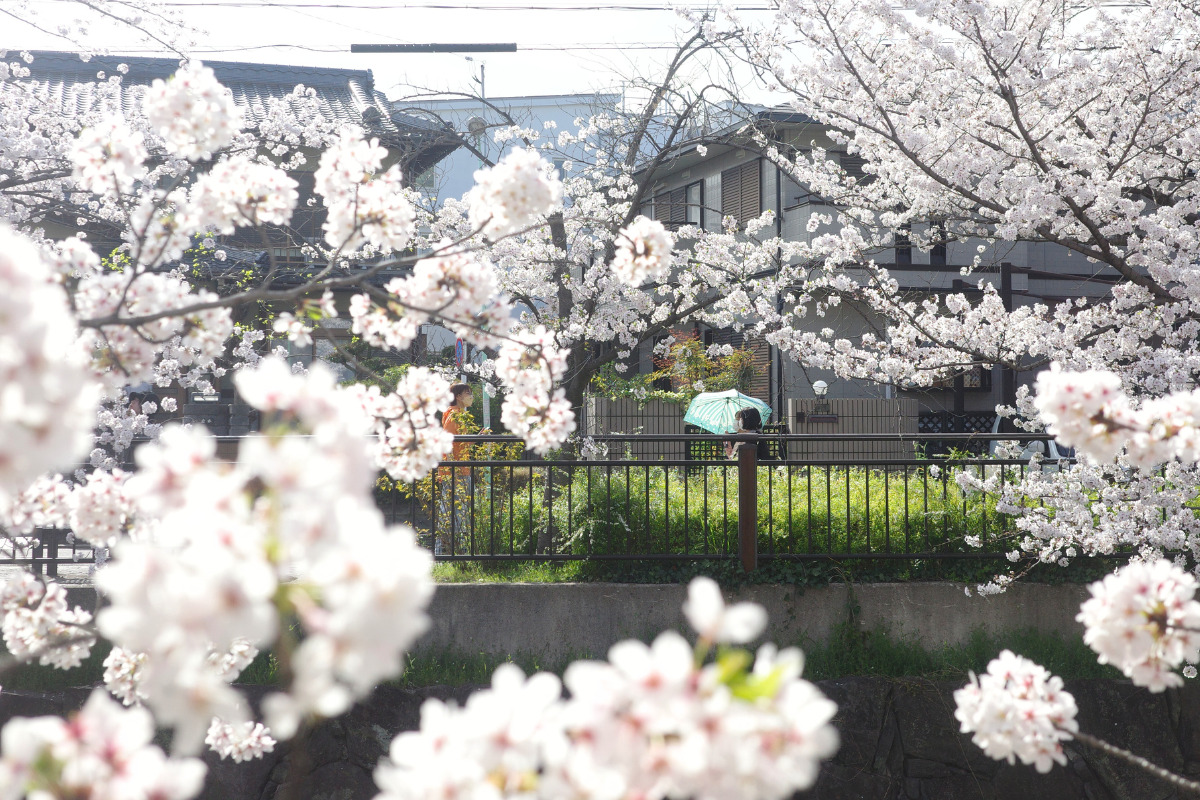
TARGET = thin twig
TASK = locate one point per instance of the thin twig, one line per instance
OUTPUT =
(1177, 781)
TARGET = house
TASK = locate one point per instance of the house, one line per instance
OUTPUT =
(71, 87)
(723, 174)
(476, 121)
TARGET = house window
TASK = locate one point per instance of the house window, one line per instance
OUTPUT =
(904, 244)
(795, 195)
(741, 192)
(289, 256)
(853, 166)
(937, 250)
(974, 379)
(695, 204)
(678, 207)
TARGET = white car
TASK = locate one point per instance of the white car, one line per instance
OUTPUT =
(1054, 456)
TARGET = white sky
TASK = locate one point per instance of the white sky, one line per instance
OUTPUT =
(559, 51)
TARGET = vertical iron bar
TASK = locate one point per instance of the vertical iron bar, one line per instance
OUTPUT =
(549, 495)
(791, 468)
(770, 508)
(646, 527)
(725, 501)
(667, 508)
(748, 506)
(887, 511)
(829, 507)
(687, 545)
(849, 521)
(808, 488)
(867, 481)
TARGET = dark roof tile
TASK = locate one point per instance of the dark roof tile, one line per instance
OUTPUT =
(71, 84)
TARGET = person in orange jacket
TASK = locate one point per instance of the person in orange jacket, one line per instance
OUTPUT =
(454, 484)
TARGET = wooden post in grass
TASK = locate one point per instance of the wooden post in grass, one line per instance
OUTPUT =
(748, 503)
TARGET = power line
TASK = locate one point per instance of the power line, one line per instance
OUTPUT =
(427, 47)
(559, 47)
(424, 6)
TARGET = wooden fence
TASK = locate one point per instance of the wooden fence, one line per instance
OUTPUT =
(603, 416)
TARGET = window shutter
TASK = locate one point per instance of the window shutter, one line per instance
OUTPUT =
(662, 207)
(751, 191)
(678, 207)
(741, 189)
(853, 165)
(731, 192)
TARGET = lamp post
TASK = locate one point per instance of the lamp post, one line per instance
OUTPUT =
(820, 389)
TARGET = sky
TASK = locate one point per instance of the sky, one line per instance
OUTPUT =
(564, 46)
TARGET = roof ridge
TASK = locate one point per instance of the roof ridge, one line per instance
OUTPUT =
(143, 67)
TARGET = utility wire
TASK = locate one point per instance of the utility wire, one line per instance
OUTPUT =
(422, 6)
(583, 46)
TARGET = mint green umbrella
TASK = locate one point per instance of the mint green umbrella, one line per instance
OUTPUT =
(713, 411)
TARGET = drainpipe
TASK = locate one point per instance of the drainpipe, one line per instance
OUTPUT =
(779, 410)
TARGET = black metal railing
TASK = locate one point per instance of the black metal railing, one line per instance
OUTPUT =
(697, 506)
(709, 508)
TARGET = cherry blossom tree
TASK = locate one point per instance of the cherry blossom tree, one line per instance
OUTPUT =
(993, 126)
(600, 275)
(207, 562)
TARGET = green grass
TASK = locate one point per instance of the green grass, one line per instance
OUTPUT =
(848, 652)
(650, 509)
(729, 573)
(876, 653)
(36, 678)
(510, 572)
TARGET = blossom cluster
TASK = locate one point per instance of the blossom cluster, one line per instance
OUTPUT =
(1144, 620)
(47, 395)
(100, 510)
(103, 751)
(129, 353)
(410, 440)
(288, 530)
(1017, 710)
(530, 366)
(238, 192)
(1091, 411)
(109, 157)
(514, 194)
(644, 250)
(454, 286)
(38, 622)
(244, 742)
(192, 111)
(653, 721)
(364, 205)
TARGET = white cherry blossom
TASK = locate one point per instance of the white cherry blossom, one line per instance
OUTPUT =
(514, 194)
(708, 615)
(1017, 710)
(1145, 621)
(192, 111)
(644, 251)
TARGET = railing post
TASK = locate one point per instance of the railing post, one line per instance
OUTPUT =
(748, 504)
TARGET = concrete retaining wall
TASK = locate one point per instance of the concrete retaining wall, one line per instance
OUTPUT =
(899, 741)
(561, 621)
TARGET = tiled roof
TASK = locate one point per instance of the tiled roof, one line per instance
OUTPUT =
(347, 95)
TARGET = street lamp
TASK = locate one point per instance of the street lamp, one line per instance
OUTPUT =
(820, 389)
